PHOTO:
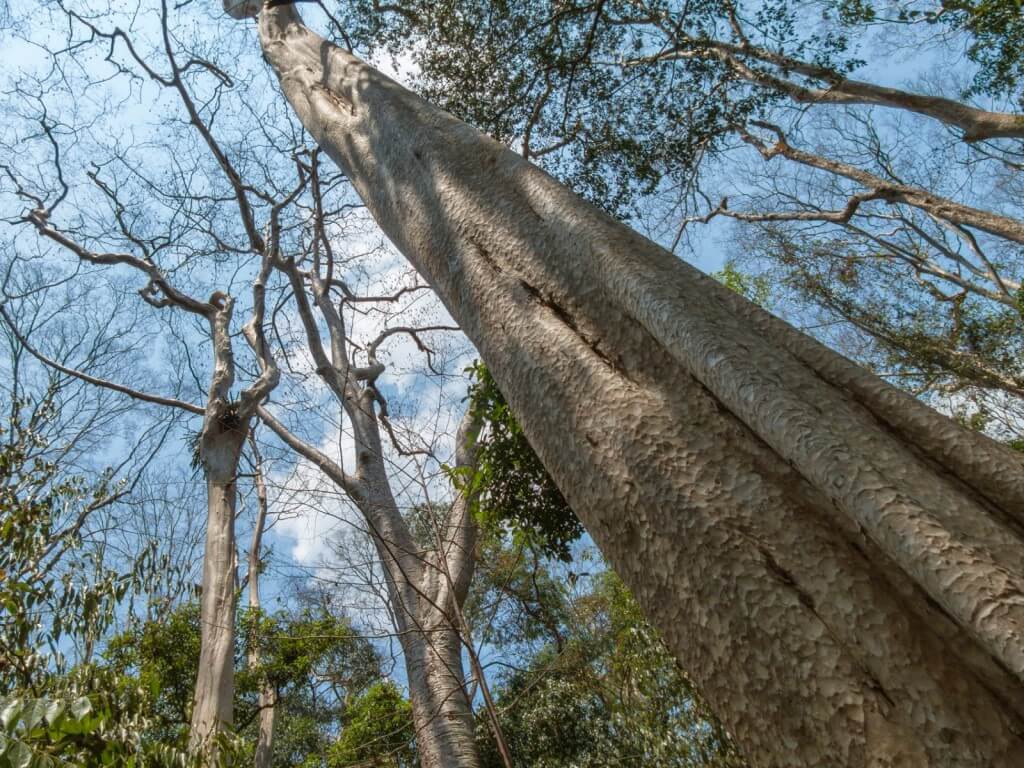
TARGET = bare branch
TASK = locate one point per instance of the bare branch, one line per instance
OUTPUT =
(351, 485)
(892, 192)
(376, 368)
(133, 393)
(977, 124)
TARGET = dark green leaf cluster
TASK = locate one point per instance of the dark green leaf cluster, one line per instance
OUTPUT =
(91, 717)
(515, 492)
(316, 664)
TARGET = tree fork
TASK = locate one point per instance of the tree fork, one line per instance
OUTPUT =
(839, 567)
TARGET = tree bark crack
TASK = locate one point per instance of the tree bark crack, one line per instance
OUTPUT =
(569, 321)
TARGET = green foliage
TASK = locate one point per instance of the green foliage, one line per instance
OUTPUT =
(997, 46)
(92, 717)
(52, 592)
(297, 653)
(580, 81)
(163, 656)
(377, 730)
(515, 491)
(994, 28)
(928, 338)
(608, 693)
(521, 68)
(514, 602)
(292, 648)
(756, 288)
(54, 595)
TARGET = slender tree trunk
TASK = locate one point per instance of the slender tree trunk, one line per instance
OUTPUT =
(442, 714)
(225, 427)
(431, 645)
(213, 702)
(267, 700)
(423, 586)
(838, 566)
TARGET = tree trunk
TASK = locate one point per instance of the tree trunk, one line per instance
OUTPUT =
(837, 566)
(424, 588)
(213, 702)
(441, 712)
(431, 645)
(267, 700)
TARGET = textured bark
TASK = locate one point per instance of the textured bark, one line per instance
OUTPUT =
(838, 566)
(444, 585)
(420, 598)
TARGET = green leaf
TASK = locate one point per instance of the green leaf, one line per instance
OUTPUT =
(10, 711)
(80, 708)
(54, 711)
(34, 712)
(19, 755)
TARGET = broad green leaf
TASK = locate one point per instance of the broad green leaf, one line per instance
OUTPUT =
(19, 755)
(10, 711)
(34, 712)
(80, 708)
(54, 711)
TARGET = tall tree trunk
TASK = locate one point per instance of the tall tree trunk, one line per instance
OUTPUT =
(213, 702)
(424, 587)
(442, 715)
(431, 643)
(225, 427)
(267, 701)
(838, 566)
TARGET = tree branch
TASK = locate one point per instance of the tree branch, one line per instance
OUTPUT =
(892, 192)
(133, 393)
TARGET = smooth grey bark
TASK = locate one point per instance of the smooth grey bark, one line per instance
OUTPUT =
(226, 425)
(419, 593)
(213, 699)
(267, 701)
(838, 567)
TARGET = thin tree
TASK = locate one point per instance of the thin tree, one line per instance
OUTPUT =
(425, 584)
(226, 417)
(267, 700)
(226, 423)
